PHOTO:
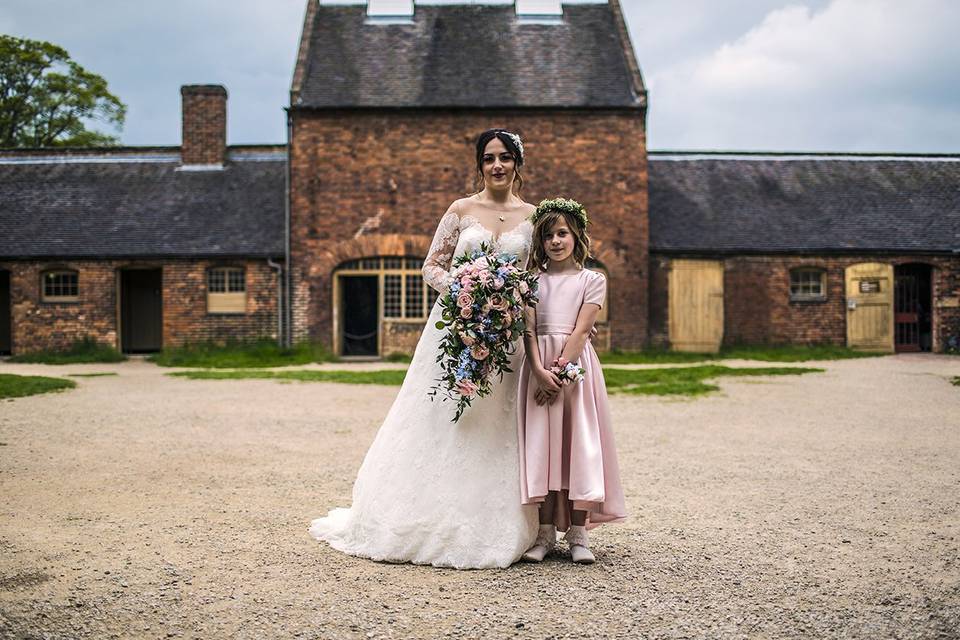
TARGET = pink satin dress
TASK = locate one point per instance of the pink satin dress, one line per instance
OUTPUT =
(568, 445)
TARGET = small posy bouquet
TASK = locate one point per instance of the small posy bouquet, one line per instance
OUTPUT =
(483, 316)
(568, 372)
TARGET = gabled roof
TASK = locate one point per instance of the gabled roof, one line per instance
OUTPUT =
(468, 55)
(139, 203)
(760, 203)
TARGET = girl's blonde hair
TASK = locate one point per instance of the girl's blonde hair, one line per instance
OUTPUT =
(548, 214)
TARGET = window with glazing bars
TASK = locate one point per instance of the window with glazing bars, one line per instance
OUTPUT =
(808, 284)
(61, 286)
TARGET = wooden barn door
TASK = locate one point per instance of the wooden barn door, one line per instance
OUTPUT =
(870, 306)
(5, 341)
(696, 305)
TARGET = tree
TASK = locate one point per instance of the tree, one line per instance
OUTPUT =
(48, 100)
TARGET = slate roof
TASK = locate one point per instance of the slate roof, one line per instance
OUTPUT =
(466, 56)
(139, 204)
(794, 203)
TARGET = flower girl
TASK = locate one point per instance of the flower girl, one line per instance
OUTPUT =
(568, 463)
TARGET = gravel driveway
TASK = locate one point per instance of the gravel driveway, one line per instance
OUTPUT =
(823, 506)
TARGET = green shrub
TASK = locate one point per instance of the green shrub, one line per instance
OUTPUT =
(83, 351)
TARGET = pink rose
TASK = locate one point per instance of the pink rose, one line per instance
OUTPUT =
(572, 373)
(467, 388)
(466, 312)
(523, 287)
(498, 283)
(508, 334)
(498, 302)
(467, 339)
(562, 362)
(464, 300)
(479, 352)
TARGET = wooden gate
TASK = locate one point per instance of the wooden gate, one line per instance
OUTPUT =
(696, 305)
(870, 306)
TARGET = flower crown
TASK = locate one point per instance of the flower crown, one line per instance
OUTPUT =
(562, 205)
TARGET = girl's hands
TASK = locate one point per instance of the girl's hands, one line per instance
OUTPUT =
(549, 386)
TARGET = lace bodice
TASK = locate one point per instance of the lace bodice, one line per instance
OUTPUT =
(458, 234)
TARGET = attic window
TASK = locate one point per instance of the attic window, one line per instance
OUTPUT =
(539, 11)
(390, 11)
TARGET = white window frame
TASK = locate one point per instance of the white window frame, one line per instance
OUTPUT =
(231, 300)
(801, 296)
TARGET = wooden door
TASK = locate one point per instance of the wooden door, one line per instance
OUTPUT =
(696, 305)
(911, 307)
(5, 341)
(870, 306)
(141, 310)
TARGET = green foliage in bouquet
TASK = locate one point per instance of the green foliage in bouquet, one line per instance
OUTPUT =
(482, 313)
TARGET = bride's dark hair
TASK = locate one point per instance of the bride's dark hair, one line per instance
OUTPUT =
(510, 143)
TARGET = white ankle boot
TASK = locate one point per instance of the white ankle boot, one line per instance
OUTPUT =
(576, 537)
(546, 539)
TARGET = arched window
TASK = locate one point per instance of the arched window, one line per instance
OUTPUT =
(60, 285)
(226, 290)
(808, 284)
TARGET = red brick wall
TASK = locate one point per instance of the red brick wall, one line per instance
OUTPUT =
(204, 131)
(758, 309)
(367, 174)
(40, 325)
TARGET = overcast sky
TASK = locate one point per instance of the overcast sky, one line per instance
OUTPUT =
(831, 75)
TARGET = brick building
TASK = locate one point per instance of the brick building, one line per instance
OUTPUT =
(142, 248)
(384, 112)
(149, 247)
(862, 250)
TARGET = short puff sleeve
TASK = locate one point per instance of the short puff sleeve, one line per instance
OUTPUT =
(596, 289)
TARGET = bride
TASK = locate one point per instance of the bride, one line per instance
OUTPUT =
(431, 491)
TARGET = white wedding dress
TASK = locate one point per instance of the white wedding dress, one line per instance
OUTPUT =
(431, 491)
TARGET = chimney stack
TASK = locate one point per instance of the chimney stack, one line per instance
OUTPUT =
(204, 141)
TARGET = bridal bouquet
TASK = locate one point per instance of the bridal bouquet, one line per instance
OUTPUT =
(483, 316)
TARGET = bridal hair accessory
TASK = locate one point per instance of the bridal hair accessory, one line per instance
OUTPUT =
(516, 142)
(562, 205)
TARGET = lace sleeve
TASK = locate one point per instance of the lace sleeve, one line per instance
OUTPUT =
(436, 268)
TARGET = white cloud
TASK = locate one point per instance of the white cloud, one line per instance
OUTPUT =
(855, 75)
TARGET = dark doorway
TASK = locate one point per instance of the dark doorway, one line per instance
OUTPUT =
(358, 304)
(913, 321)
(141, 310)
(6, 343)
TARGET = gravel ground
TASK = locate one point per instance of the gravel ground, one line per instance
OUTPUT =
(821, 506)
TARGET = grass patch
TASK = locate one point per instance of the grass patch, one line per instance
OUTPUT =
(84, 351)
(398, 357)
(91, 375)
(393, 377)
(782, 353)
(241, 355)
(956, 381)
(12, 386)
(685, 381)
